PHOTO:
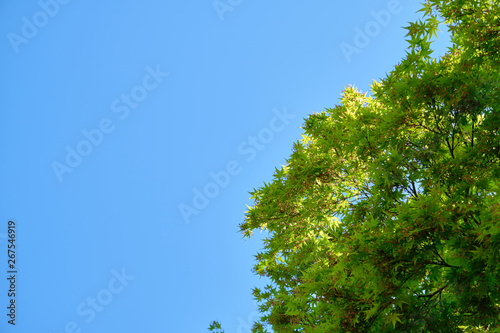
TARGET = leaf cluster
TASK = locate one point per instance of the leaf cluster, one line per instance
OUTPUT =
(386, 217)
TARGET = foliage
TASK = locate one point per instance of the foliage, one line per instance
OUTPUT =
(386, 217)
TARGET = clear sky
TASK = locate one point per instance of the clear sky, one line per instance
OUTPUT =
(132, 132)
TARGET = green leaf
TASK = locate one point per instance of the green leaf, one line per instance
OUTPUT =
(394, 318)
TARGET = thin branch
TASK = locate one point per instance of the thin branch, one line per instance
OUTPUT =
(434, 293)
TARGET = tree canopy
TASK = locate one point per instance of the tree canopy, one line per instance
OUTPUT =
(386, 217)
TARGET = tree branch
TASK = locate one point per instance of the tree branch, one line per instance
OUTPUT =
(434, 293)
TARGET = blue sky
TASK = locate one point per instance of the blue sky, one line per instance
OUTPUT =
(132, 132)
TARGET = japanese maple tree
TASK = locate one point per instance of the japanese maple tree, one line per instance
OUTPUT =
(386, 217)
